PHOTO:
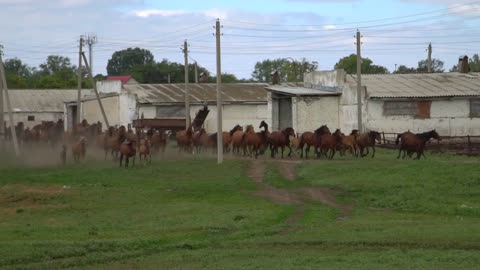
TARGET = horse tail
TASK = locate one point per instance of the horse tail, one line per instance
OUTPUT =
(399, 136)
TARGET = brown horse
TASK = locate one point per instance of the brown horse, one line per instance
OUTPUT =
(349, 143)
(317, 140)
(128, 149)
(415, 143)
(329, 144)
(184, 140)
(280, 139)
(252, 142)
(158, 140)
(199, 140)
(367, 140)
(236, 139)
(113, 139)
(79, 149)
(144, 150)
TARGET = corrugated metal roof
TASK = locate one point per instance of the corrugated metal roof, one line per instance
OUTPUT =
(199, 93)
(299, 89)
(420, 85)
(39, 100)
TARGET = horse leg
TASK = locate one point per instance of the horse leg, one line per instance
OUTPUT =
(121, 159)
(333, 153)
(373, 147)
(290, 152)
(272, 152)
(283, 148)
(399, 152)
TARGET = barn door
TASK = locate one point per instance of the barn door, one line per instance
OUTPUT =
(285, 112)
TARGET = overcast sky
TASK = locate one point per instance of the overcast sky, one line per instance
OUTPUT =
(394, 31)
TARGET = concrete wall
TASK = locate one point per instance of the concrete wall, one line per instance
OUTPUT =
(39, 117)
(128, 111)
(312, 112)
(92, 113)
(108, 87)
(448, 117)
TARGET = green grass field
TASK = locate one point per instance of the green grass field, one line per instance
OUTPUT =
(379, 213)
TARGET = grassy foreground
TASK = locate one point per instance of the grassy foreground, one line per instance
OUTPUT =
(193, 214)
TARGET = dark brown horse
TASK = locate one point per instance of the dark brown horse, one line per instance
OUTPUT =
(317, 140)
(128, 149)
(200, 140)
(329, 144)
(367, 140)
(349, 143)
(415, 143)
(184, 140)
(280, 139)
(113, 140)
(253, 141)
(158, 139)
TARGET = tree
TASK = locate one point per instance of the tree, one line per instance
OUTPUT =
(475, 63)
(290, 70)
(17, 74)
(349, 64)
(402, 69)
(228, 78)
(437, 66)
(123, 62)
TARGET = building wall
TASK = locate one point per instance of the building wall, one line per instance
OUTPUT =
(448, 117)
(312, 112)
(92, 113)
(39, 117)
(108, 87)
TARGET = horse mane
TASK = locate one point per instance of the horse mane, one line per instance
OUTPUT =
(322, 130)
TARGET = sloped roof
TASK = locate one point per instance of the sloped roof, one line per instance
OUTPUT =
(300, 89)
(39, 100)
(124, 79)
(199, 93)
(420, 85)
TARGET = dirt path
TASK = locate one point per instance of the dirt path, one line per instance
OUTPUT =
(298, 198)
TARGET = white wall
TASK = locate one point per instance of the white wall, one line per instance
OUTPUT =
(92, 113)
(448, 117)
(108, 87)
(128, 111)
(312, 112)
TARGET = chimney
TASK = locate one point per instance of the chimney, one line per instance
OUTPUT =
(203, 77)
(463, 66)
(275, 77)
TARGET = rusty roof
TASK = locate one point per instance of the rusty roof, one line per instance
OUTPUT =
(199, 93)
(432, 85)
(39, 100)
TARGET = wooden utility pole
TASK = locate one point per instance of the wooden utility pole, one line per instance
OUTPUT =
(94, 84)
(359, 82)
(187, 95)
(219, 96)
(9, 108)
(2, 120)
(196, 72)
(79, 86)
(429, 64)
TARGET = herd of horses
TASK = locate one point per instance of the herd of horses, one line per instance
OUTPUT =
(124, 144)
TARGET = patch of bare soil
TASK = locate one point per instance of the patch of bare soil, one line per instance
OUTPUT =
(287, 169)
(15, 198)
(257, 170)
(327, 197)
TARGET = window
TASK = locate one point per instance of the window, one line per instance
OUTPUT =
(170, 112)
(31, 118)
(420, 109)
(475, 108)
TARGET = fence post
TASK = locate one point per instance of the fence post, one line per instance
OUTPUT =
(469, 145)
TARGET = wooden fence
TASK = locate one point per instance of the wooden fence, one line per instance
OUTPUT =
(464, 145)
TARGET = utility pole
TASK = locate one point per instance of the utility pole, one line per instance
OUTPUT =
(90, 41)
(187, 95)
(79, 86)
(359, 82)
(94, 84)
(2, 120)
(9, 107)
(429, 64)
(196, 72)
(219, 96)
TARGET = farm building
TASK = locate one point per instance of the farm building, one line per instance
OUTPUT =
(243, 103)
(34, 106)
(447, 102)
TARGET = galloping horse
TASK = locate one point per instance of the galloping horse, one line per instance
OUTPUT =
(79, 149)
(128, 149)
(316, 141)
(366, 140)
(184, 140)
(145, 150)
(329, 143)
(415, 143)
(280, 139)
(349, 142)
